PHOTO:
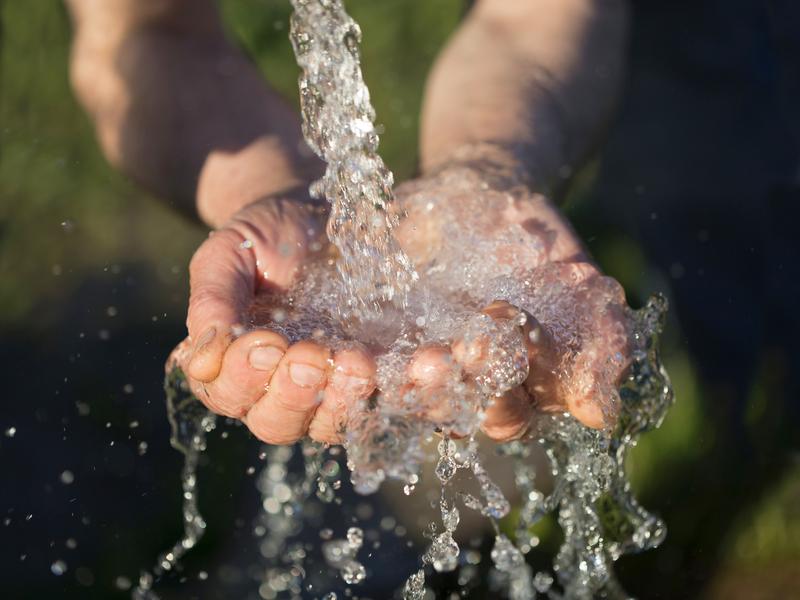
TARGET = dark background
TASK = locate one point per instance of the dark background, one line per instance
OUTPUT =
(695, 194)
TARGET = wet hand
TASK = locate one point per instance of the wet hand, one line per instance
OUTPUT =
(281, 391)
(576, 376)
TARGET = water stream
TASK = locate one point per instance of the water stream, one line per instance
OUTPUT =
(373, 292)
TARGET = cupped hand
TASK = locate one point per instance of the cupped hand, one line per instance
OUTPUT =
(281, 391)
(452, 214)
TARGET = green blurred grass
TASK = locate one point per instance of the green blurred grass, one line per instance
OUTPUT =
(51, 173)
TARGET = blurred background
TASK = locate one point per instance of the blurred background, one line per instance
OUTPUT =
(695, 194)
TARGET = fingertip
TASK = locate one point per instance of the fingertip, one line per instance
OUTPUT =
(430, 365)
(313, 352)
(588, 412)
(283, 414)
(302, 370)
(352, 379)
(508, 417)
(206, 360)
(265, 349)
(353, 372)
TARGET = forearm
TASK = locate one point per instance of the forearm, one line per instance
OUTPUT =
(180, 110)
(529, 84)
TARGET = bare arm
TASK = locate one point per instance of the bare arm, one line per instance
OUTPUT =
(528, 84)
(180, 110)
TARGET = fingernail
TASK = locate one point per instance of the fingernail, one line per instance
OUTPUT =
(264, 358)
(205, 339)
(305, 375)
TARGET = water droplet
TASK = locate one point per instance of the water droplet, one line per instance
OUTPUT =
(355, 537)
(445, 469)
(450, 518)
(414, 588)
(542, 581)
(353, 572)
(58, 568)
(443, 553)
(505, 556)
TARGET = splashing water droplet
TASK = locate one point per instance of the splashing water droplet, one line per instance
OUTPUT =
(414, 588)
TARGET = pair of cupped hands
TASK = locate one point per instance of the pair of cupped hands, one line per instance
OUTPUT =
(284, 391)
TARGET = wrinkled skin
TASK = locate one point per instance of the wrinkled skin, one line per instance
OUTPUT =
(284, 391)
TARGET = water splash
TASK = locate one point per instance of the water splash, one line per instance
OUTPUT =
(338, 124)
(191, 422)
(341, 554)
(375, 295)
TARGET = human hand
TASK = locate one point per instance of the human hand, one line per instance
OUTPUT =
(281, 391)
(575, 329)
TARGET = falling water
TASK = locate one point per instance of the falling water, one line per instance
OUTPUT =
(338, 124)
(372, 292)
(190, 423)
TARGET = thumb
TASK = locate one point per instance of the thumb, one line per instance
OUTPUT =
(222, 286)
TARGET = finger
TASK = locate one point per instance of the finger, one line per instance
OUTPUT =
(430, 370)
(430, 366)
(543, 383)
(592, 396)
(180, 358)
(283, 413)
(508, 417)
(351, 380)
(247, 367)
(222, 280)
(584, 398)
(471, 352)
(510, 414)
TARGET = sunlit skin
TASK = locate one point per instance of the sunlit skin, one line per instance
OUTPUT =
(283, 392)
(243, 171)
